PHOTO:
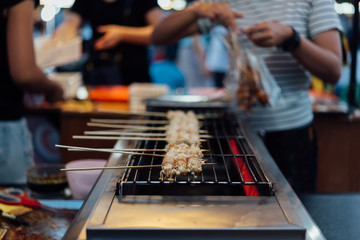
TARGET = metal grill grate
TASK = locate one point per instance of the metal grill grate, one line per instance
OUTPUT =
(227, 147)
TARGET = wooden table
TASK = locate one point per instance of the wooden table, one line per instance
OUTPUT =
(339, 152)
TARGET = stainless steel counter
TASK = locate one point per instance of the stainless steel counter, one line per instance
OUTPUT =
(105, 215)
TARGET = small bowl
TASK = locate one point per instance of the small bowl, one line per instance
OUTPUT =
(81, 182)
(46, 178)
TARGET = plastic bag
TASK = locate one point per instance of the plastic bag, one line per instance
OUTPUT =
(248, 80)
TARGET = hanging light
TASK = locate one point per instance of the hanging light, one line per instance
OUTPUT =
(172, 4)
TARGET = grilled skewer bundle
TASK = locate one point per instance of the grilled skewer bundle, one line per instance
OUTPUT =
(183, 154)
(181, 159)
(250, 89)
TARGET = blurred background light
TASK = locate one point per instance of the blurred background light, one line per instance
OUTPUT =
(165, 4)
(48, 13)
(344, 8)
(172, 4)
(179, 4)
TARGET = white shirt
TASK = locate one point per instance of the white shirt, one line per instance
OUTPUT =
(217, 59)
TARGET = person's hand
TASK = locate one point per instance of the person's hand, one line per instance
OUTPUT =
(268, 34)
(218, 12)
(113, 35)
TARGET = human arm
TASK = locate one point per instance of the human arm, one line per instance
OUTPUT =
(321, 56)
(184, 23)
(23, 69)
(114, 34)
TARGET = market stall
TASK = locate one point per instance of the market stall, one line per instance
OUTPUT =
(223, 201)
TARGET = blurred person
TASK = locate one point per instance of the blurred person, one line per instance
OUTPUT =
(19, 74)
(216, 56)
(191, 61)
(121, 32)
(296, 39)
(163, 68)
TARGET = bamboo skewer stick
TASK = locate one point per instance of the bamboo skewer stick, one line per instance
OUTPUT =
(121, 167)
(120, 130)
(104, 168)
(129, 121)
(114, 150)
(125, 149)
(130, 149)
(151, 114)
(156, 114)
(106, 150)
(123, 133)
(116, 133)
(122, 138)
(125, 126)
(132, 127)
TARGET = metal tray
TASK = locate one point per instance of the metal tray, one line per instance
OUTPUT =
(186, 101)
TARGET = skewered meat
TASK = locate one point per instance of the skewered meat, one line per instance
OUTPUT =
(250, 89)
(184, 119)
(183, 154)
(195, 160)
(181, 159)
(183, 128)
(168, 164)
(177, 136)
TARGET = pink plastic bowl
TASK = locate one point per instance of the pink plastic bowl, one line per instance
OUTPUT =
(81, 182)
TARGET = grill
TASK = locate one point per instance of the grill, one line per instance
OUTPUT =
(243, 196)
(237, 171)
